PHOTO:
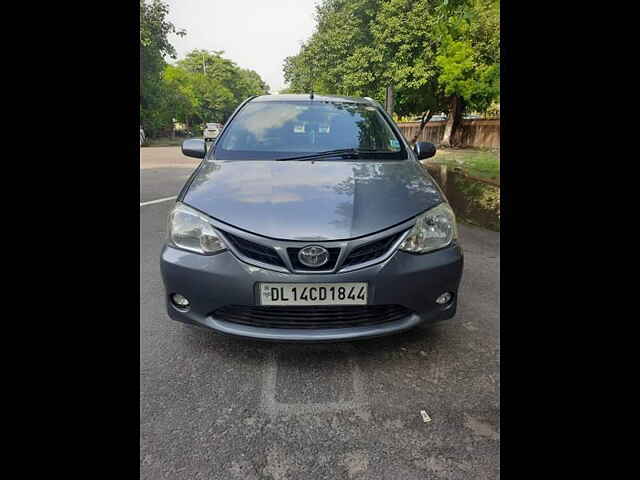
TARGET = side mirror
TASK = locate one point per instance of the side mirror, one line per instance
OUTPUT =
(194, 147)
(424, 150)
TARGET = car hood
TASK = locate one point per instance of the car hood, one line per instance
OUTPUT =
(320, 200)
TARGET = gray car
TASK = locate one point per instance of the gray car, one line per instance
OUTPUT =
(311, 219)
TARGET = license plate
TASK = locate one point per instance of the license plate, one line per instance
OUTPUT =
(307, 294)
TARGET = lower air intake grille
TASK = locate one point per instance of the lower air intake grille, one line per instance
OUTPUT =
(253, 250)
(312, 317)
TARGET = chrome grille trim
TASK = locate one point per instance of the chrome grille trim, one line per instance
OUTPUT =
(281, 246)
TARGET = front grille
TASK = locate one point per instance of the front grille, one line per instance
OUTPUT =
(334, 253)
(342, 316)
(371, 251)
(255, 251)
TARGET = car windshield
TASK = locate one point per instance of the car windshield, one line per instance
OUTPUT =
(276, 130)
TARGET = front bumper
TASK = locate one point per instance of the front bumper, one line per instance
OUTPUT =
(211, 282)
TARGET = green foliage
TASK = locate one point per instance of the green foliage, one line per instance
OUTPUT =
(406, 33)
(154, 29)
(428, 50)
(493, 110)
(469, 54)
(206, 87)
(203, 87)
(154, 47)
(338, 59)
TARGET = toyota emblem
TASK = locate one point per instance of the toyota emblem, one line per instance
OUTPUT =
(313, 256)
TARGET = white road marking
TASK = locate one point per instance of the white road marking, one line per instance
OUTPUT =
(359, 402)
(160, 200)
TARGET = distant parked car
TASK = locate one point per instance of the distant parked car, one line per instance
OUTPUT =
(472, 116)
(212, 131)
(438, 118)
(143, 137)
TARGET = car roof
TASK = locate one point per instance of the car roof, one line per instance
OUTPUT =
(305, 97)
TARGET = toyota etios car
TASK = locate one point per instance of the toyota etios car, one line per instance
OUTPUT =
(311, 219)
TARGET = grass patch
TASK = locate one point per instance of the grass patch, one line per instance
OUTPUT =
(483, 164)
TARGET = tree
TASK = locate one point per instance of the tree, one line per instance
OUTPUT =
(338, 58)
(206, 87)
(406, 36)
(202, 87)
(469, 60)
(180, 96)
(250, 83)
(219, 84)
(154, 47)
(439, 55)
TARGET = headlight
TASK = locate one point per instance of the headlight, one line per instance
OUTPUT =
(433, 230)
(190, 230)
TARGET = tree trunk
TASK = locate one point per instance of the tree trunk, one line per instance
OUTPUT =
(426, 116)
(389, 101)
(453, 122)
(141, 60)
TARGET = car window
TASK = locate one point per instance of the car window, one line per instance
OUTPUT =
(268, 130)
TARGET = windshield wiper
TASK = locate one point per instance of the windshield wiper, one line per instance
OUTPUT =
(343, 153)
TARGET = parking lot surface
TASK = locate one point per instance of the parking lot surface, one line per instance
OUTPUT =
(214, 407)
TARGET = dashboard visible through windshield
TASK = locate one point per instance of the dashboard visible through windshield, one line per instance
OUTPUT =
(273, 129)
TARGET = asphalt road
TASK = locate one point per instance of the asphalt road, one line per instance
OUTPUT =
(213, 407)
